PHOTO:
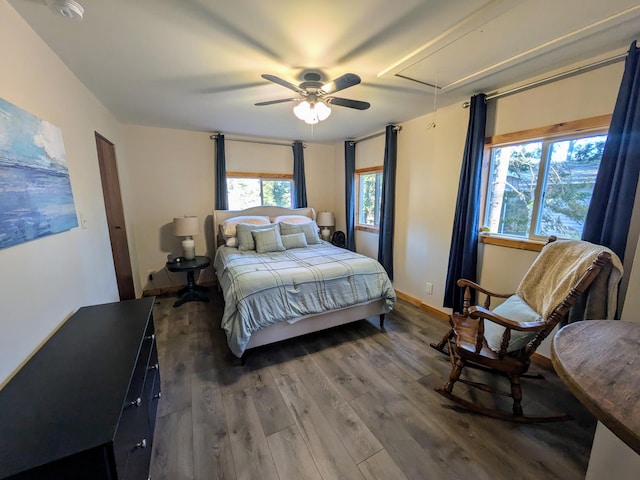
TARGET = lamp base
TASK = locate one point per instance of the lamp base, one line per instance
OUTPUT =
(188, 249)
(326, 234)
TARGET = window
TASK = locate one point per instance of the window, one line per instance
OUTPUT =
(246, 190)
(542, 187)
(369, 185)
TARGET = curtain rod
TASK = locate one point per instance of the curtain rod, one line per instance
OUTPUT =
(374, 135)
(553, 78)
(280, 144)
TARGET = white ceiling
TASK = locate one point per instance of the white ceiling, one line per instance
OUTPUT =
(196, 64)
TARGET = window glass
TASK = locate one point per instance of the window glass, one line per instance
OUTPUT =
(542, 188)
(512, 184)
(573, 167)
(369, 197)
(254, 192)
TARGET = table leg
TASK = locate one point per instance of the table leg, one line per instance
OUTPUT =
(192, 292)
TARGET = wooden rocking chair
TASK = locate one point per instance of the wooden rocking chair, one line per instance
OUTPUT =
(504, 339)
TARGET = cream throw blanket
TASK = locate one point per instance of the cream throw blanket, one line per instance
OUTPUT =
(558, 268)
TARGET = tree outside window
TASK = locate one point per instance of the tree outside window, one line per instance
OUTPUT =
(255, 192)
(542, 188)
(369, 198)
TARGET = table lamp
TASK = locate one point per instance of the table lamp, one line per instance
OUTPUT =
(187, 227)
(325, 219)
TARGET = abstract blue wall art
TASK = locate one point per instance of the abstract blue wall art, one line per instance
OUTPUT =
(35, 192)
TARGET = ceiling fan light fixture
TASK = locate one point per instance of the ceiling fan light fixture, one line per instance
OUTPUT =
(67, 8)
(323, 110)
(312, 113)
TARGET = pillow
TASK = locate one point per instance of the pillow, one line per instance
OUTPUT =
(267, 240)
(516, 309)
(229, 225)
(231, 242)
(294, 240)
(245, 239)
(310, 230)
(292, 219)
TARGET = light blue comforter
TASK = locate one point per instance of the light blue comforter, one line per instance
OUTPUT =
(265, 288)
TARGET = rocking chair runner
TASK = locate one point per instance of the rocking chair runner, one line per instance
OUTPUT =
(515, 329)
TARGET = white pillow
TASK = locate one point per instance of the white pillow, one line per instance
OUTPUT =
(295, 240)
(267, 240)
(309, 229)
(229, 226)
(516, 309)
(292, 219)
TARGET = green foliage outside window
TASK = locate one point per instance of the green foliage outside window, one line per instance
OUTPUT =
(543, 188)
(254, 192)
(370, 185)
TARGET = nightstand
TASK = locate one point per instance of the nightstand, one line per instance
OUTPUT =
(193, 292)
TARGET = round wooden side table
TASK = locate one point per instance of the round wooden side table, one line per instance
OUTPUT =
(193, 292)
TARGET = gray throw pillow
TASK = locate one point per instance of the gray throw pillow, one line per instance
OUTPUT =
(516, 309)
(267, 240)
(294, 240)
(309, 229)
(243, 234)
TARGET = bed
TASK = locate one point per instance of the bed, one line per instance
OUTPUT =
(277, 295)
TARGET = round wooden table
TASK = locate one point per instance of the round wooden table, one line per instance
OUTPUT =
(599, 360)
(192, 292)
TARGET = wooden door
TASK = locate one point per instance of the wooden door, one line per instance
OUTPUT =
(115, 217)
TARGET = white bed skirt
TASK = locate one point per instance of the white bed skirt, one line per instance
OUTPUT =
(313, 323)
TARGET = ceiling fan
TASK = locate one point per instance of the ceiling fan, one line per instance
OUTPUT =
(315, 97)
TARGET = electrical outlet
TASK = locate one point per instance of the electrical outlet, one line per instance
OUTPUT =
(429, 288)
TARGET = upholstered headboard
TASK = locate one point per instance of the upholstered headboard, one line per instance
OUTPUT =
(219, 216)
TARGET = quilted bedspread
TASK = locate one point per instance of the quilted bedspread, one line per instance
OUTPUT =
(261, 289)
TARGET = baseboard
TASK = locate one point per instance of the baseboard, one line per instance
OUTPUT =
(174, 288)
(423, 306)
(542, 361)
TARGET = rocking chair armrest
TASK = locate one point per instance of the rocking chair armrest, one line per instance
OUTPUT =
(481, 312)
(463, 282)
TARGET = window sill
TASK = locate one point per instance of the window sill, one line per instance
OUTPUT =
(510, 242)
(363, 228)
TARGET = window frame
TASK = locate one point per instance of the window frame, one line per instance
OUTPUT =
(264, 176)
(598, 125)
(358, 173)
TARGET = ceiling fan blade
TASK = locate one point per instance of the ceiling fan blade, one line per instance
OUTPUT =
(345, 81)
(272, 102)
(346, 102)
(284, 83)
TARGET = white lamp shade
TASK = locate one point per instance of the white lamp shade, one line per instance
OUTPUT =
(323, 110)
(312, 113)
(325, 219)
(185, 226)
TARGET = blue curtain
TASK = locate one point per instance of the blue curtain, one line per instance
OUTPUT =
(609, 214)
(388, 200)
(222, 202)
(349, 193)
(463, 254)
(299, 183)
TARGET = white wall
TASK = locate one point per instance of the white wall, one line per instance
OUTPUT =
(428, 169)
(45, 280)
(369, 153)
(173, 173)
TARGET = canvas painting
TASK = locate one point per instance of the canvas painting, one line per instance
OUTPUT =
(35, 191)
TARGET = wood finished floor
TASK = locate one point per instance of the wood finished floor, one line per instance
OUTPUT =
(347, 403)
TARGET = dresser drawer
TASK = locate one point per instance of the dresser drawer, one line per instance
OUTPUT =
(137, 380)
(91, 424)
(134, 437)
(155, 392)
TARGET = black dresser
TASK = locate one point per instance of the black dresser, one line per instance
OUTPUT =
(84, 406)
